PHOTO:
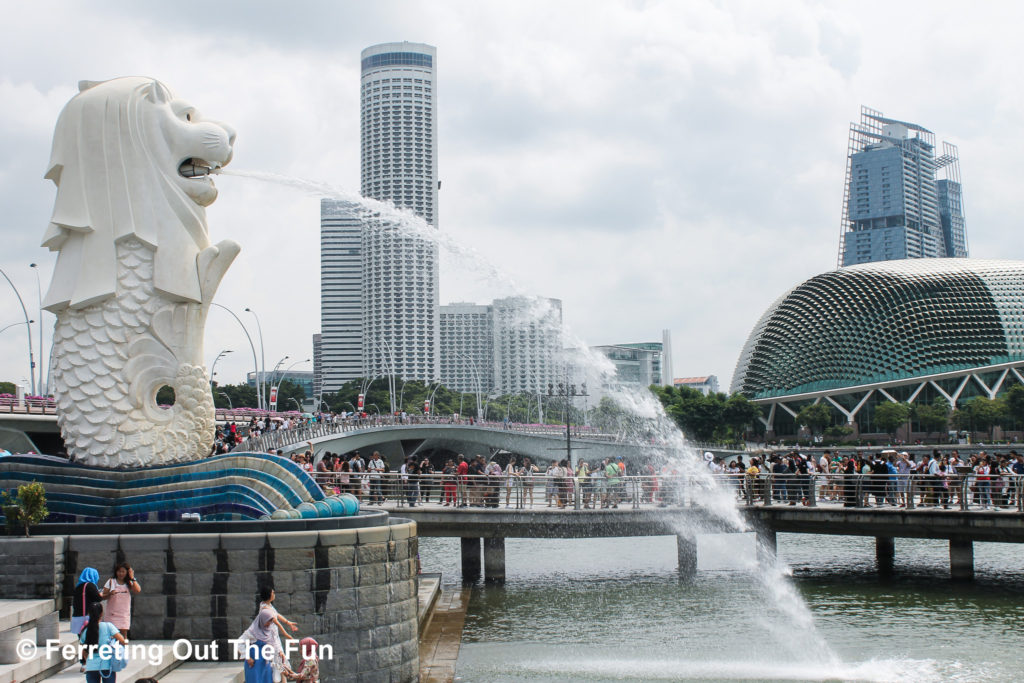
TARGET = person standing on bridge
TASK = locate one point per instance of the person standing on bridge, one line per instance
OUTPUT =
(450, 482)
(461, 474)
(613, 476)
(528, 470)
(512, 478)
(376, 469)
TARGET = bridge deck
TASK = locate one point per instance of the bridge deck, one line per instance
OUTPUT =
(650, 520)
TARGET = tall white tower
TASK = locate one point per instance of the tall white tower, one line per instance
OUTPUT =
(400, 323)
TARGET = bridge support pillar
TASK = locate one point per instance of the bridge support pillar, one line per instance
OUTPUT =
(767, 547)
(885, 555)
(470, 560)
(494, 560)
(961, 560)
(686, 550)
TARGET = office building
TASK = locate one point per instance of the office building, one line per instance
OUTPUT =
(379, 281)
(400, 319)
(318, 368)
(639, 364)
(467, 347)
(707, 384)
(527, 344)
(302, 378)
(341, 294)
(900, 200)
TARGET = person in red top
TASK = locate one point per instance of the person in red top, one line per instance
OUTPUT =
(461, 471)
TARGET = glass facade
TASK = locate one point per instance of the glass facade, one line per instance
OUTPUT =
(885, 321)
(895, 206)
(398, 59)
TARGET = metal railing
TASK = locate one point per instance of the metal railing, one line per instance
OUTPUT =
(911, 491)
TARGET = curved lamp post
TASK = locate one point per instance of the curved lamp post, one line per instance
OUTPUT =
(213, 368)
(39, 293)
(28, 326)
(259, 397)
(261, 373)
(23, 322)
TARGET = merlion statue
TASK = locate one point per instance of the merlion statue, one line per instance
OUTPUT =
(135, 272)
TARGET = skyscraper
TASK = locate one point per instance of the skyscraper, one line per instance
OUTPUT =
(379, 282)
(399, 164)
(527, 344)
(341, 294)
(467, 347)
(894, 207)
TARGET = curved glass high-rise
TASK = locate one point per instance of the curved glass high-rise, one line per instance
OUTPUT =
(379, 285)
(400, 322)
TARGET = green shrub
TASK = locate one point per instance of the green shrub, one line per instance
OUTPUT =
(26, 508)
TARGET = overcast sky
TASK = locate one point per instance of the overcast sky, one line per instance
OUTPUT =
(653, 164)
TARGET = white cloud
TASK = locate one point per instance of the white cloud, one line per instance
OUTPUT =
(653, 164)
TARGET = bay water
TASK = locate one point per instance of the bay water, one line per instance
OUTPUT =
(615, 609)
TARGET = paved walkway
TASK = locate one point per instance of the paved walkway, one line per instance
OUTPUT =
(439, 645)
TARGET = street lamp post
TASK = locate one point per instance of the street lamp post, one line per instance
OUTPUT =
(213, 368)
(230, 407)
(288, 369)
(23, 322)
(39, 293)
(28, 326)
(431, 399)
(273, 373)
(261, 375)
(259, 398)
(476, 377)
(568, 392)
(391, 371)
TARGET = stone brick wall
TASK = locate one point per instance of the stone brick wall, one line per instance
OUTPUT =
(32, 568)
(352, 589)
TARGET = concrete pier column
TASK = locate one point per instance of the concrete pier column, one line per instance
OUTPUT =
(494, 560)
(961, 560)
(470, 560)
(767, 547)
(686, 550)
(885, 555)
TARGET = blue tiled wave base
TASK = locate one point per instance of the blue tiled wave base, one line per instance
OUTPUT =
(223, 487)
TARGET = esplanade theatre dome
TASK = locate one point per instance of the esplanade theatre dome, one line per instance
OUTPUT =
(884, 321)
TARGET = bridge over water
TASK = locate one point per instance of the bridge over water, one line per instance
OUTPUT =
(541, 443)
(961, 525)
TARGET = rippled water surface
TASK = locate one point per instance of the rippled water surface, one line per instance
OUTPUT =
(615, 609)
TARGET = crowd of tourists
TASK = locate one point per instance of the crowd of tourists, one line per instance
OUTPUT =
(884, 478)
(858, 479)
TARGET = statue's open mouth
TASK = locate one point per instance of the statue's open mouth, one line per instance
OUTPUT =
(195, 167)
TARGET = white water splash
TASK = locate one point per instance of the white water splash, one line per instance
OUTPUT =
(649, 417)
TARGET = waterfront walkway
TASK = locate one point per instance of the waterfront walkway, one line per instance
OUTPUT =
(763, 504)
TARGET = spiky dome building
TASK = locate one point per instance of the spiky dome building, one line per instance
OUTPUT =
(908, 329)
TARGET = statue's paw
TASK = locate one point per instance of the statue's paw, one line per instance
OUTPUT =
(213, 262)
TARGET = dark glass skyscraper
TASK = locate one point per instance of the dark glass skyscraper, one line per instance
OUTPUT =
(894, 206)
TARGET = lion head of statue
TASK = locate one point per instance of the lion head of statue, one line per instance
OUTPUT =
(130, 160)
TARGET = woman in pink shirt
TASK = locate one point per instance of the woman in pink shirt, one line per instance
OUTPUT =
(118, 593)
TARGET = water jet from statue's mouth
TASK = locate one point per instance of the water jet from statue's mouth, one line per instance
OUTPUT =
(195, 167)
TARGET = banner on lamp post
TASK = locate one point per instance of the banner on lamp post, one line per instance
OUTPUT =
(273, 398)
(359, 401)
(426, 407)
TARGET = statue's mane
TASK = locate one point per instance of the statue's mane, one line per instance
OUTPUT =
(112, 184)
